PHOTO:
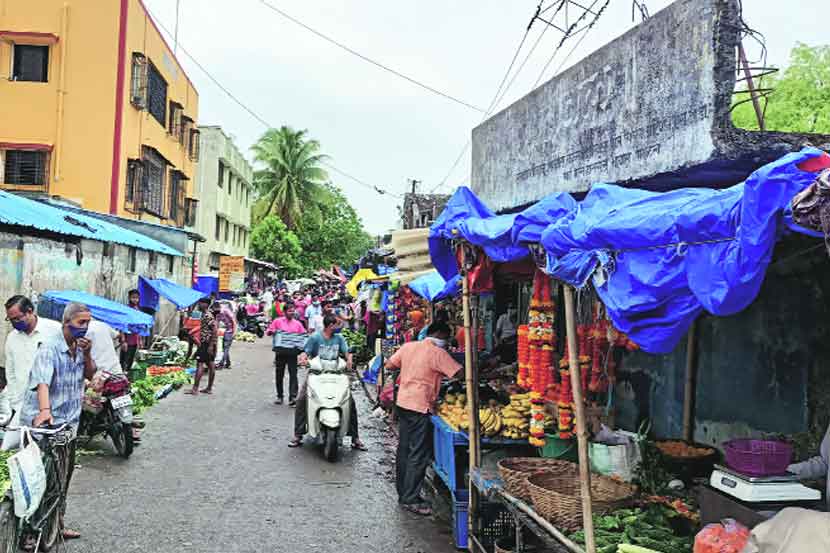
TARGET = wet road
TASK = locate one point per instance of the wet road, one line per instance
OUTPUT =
(213, 474)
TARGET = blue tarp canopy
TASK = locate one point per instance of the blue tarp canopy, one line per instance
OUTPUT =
(207, 284)
(657, 260)
(117, 315)
(151, 289)
(433, 287)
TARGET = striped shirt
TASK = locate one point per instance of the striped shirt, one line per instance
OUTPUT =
(55, 367)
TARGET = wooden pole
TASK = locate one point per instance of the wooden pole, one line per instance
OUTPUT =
(581, 432)
(750, 85)
(472, 393)
(689, 389)
(381, 372)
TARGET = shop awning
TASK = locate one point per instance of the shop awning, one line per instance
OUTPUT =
(180, 296)
(657, 260)
(117, 315)
(433, 287)
(359, 276)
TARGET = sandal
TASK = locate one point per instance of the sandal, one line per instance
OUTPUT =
(192, 392)
(295, 443)
(421, 509)
(70, 534)
(207, 391)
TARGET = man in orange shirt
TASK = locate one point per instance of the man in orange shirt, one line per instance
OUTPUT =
(423, 365)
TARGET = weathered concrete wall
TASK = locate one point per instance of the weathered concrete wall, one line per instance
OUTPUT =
(755, 369)
(650, 109)
(32, 265)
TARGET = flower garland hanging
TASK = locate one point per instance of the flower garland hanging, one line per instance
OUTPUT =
(541, 343)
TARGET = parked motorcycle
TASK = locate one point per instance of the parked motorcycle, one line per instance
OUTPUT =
(111, 415)
(255, 324)
(329, 404)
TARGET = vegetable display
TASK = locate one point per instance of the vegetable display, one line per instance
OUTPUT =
(637, 530)
(243, 336)
(677, 448)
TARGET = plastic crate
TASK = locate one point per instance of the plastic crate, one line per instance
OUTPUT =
(494, 521)
(444, 440)
(137, 373)
(460, 500)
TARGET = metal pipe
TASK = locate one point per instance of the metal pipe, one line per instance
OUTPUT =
(64, 44)
(581, 431)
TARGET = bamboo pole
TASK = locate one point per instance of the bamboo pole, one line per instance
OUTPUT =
(581, 432)
(689, 388)
(472, 389)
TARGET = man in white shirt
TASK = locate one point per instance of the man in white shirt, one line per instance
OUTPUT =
(104, 352)
(21, 345)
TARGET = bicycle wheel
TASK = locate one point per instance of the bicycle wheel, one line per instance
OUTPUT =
(9, 528)
(52, 504)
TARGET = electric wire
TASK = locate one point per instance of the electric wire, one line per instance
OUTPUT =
(368, 59)
(256, 116)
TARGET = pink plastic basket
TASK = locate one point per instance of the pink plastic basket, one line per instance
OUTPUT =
(758, 457)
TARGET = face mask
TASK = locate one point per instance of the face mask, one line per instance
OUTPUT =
(77, 331)
(21, 325)
(438, 342)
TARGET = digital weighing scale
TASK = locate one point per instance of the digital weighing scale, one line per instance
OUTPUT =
(761, 489)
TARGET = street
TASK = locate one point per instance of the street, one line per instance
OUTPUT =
(213, 474)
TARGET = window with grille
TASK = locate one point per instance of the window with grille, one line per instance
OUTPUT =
(187, 133)
(138, 81)
(227, 231)
(26, 167)
(221, 175)
(195, 145)
(171, 264)
(153, 260)
(154, 182)
(156, 95)
(174, 124)
(218, 231)
(131, 260)
(213, 261)
(135, 178)
(176, 199)
(190, 206)
(30, 63)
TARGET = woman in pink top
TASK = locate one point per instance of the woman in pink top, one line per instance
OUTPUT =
(423, 365)
(286, 357)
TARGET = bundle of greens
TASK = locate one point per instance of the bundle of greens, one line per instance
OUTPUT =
(649, 528)
(144, 395)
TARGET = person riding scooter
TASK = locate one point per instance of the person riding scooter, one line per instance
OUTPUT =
(329, 346)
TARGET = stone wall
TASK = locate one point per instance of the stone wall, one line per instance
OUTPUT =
(31, 265)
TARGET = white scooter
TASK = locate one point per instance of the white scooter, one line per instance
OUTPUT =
(329, 404)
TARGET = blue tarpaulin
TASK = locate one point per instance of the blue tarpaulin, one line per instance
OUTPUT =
(117, 315)
(207, 284)
(433, 287)
(657, 260)
(151, 289)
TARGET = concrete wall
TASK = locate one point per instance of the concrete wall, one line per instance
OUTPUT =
(31, 265)
(756, 369)
(231, 201)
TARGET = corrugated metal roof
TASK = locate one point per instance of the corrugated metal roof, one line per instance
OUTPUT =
(20, 211)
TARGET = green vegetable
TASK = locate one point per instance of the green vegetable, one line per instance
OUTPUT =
(629, 548)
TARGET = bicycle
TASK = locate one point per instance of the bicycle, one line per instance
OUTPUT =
(45, 525)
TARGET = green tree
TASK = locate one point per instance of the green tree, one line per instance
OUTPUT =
(289, 175)
(801, 95)
(272, 241)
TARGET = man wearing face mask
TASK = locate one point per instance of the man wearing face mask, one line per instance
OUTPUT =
(29, 332)
(423, 365)
(506, 335)
(55, 390)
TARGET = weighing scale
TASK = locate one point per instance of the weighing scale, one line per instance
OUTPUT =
(761, 489)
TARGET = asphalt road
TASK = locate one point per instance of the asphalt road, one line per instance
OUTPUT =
(213, 474)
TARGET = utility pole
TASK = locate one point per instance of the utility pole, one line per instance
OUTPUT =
(176, 31)
(414, 183)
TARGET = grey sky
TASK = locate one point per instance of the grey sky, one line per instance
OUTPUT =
(378, 127)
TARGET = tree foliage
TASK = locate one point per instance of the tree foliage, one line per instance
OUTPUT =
(289, 174)
(272, 241)
(801, 96)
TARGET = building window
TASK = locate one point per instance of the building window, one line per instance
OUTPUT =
(156, 95)
(213, 261)
(190, 205)
(135, 177)
(30, 63)
(153, 260)
(138, 82)
(109, 249)
(26, 167)
(187, 132)
(227, 231)
(171, 264)
(221, 180)
(176, 199)
(230, 183)
(195, 145)
(131, 255)
(154, 182)
(218, 231)
(174, 123)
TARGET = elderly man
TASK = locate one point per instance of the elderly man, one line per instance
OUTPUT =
(56, 384)
(29, 332)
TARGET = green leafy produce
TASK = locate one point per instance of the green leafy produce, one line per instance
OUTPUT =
(636, 527)
(144, 395)
(5, 481)
(357, 342)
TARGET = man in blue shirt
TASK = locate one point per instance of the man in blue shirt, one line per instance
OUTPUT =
(329, 346)
(56, 384)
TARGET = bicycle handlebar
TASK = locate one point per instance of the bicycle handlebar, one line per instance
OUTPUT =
(46, 431)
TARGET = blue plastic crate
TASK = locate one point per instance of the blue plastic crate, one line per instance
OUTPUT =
(444, 441)
(460, 500)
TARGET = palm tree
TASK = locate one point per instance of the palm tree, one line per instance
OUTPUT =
(290, 174)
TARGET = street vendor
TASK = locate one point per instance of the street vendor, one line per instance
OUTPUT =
(817, 467)
(423, 365)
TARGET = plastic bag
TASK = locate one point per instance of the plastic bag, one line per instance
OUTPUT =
(615, 453)
(729, 536)
(28, 477)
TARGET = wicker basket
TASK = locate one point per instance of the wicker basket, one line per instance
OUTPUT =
(558, 499)
(515, 470)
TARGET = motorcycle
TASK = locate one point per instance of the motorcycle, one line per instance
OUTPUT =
(255, 324)
(112, 414)
(329, 401)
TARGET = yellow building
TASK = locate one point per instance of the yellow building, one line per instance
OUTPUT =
(95, 109)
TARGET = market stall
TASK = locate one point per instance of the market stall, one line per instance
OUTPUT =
(119, 316)
(649, 265)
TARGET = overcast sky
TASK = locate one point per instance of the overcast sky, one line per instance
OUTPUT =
(374, 125)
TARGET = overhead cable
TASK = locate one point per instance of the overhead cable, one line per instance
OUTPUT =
(368, 59)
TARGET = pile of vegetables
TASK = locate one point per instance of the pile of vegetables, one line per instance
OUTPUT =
(357, 343)
(144, 390)
(637, 531)
(5, 481)
(158, 370)
(243, 336)
(677, 448)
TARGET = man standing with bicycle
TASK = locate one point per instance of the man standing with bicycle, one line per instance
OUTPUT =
(56, 384)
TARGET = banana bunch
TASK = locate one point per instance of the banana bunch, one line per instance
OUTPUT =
(516, 417)
(491, 421)
(454, 411)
